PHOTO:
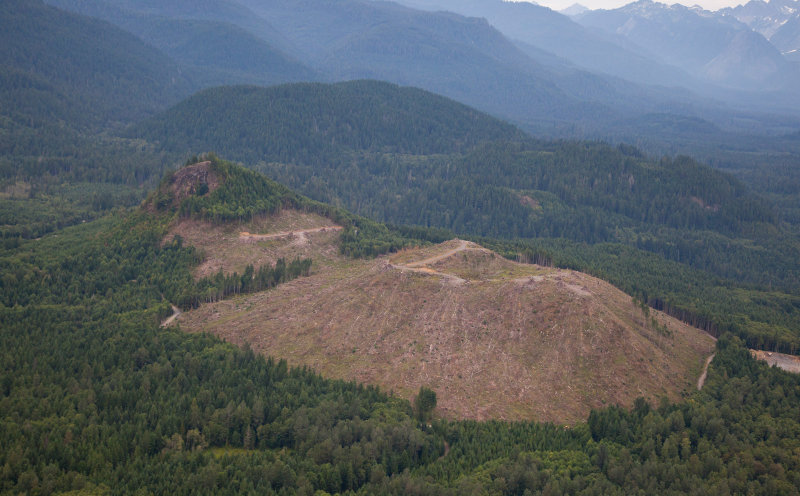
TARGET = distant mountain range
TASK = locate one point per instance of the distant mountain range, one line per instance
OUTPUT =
(519, 61)
(538, 28)
(778, 21)
(574, 9)
(714, 47)
(766, 18)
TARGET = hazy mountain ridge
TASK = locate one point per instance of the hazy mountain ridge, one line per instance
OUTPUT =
(111, 73)
(787, 38)
(764, 17)
(459, 57)
(224, 11)
(712, 46)
(547, 30)
(220, 45)
(578, 47)
(574, 9)
(462, 58)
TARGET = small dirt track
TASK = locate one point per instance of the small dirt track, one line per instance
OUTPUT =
(175, 313)
(702, 379)
(420, 265)
(287, 234)
(461, 247)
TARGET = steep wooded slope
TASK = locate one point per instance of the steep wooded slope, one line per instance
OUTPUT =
(317, 123)
(216, 42)
(112, 74)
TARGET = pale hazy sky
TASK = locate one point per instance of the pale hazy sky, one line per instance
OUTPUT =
(612, 4)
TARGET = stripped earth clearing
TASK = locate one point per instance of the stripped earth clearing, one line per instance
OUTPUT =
(493, 338)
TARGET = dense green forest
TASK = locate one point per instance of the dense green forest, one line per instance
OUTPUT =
(66, 83)
(96, 398)
(86, 70)
(316, 124)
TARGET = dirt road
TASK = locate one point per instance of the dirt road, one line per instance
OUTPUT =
(702, 379)
(434, 259)
(287, 234)
(420, 265)
(175, 313)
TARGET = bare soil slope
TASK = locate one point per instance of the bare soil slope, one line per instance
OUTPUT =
(789, 363)
(232, 246)
(493, 338)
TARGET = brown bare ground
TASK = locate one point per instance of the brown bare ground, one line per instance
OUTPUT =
(224, 247)
(186, 181)
(493, 338)
(789, 363)
(529, 202)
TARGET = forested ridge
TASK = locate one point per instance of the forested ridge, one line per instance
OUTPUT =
(95, 397)
(66, 82)
(88, 71)
(244, 194)
(315, 123)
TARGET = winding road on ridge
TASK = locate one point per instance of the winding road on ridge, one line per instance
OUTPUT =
(420, 265)
(287, 234)
(461, 247)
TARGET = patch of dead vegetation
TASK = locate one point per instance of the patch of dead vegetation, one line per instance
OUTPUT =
(194, 179)
(512, 341)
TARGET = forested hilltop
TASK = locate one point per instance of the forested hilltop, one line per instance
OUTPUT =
(120, 405)
(679, 235)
